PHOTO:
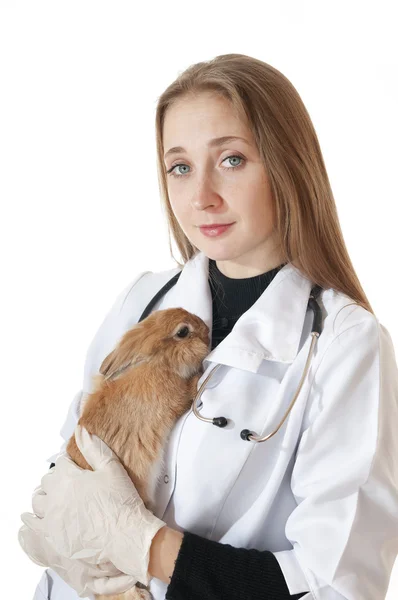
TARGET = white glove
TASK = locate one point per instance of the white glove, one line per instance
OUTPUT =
(97, 516)
(84, 579)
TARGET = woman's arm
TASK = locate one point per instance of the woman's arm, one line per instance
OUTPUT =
(163, 553)
(198, 568)
(344, 529)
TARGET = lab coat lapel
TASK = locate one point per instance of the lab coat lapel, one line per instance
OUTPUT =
(270, 330)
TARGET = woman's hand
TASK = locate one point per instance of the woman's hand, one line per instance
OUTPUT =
(85, 579)
(96, 516)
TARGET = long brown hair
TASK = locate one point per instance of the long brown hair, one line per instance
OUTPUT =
(307, 223)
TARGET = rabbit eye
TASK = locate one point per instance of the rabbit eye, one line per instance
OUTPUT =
(183, 332)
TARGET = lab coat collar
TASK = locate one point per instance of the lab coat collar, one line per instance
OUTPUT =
(270, 329)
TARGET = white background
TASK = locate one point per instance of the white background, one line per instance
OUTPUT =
(80, 208)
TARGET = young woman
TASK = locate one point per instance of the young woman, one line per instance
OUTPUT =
(312, 510)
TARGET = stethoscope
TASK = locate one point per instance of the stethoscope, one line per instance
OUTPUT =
(246, 434)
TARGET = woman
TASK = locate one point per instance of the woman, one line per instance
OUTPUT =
(313, 511)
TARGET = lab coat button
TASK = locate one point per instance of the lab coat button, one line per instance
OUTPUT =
(166, 478)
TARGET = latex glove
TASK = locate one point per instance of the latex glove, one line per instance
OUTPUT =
(98, 515)
(84, 579)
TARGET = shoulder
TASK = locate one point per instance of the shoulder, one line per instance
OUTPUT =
(125, 312)
(352, 334)
(140, 291)
(355, 364)
(341, 313)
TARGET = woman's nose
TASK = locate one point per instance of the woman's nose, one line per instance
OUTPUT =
(205, 195)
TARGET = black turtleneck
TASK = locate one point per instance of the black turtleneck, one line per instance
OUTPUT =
(209, 570)
(233, 297)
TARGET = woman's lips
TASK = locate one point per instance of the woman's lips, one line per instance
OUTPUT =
(213, 231)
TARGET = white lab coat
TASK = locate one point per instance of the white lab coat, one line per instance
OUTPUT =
(321, 494)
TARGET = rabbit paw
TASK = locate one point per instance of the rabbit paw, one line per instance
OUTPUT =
(135, 593)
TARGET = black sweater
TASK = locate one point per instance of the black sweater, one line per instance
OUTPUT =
(209, 570)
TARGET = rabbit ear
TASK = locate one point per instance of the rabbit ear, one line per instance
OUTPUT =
(123, 356)
(113, 365)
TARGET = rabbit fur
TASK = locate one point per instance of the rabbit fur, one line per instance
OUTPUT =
(144, 385)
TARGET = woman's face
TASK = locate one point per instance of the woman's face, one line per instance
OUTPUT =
(205, 188)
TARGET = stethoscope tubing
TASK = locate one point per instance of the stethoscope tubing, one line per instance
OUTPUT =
(246, 434)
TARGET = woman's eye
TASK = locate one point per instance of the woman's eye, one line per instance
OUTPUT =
(172, 171)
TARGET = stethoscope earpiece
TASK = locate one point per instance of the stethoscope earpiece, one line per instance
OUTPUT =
(244, 434)
(220, 421)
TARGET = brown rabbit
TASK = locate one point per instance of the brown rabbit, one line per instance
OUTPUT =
(145, 384)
